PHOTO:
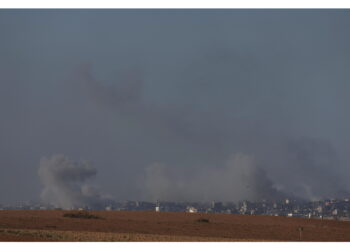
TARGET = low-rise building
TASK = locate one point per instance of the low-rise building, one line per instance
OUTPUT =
(191, 210)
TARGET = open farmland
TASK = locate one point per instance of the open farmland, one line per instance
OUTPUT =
(59, 225)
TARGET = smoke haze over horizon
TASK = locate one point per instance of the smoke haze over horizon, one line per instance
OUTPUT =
(183, 105)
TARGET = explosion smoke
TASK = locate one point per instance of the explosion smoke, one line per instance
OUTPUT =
(65, 183)
(238, 179)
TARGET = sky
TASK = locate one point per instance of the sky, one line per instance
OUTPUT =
(180, 105)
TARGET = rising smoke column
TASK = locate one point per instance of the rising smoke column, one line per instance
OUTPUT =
(284, 165)
(239, 178)
(312, 167)
(65, 182)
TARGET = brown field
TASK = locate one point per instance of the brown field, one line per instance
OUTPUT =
(50, 225)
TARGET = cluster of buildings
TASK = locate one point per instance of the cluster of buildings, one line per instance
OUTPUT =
(337, 209)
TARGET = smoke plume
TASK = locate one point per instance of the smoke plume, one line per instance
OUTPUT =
(313, 169)
(169, 100)
(66, 183)
(302, 167)
(239, 178)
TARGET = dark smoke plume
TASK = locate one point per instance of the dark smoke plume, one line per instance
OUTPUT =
(238, 179)
(65, 183)
(306, 168)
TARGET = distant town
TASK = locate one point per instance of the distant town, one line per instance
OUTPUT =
(331, 209)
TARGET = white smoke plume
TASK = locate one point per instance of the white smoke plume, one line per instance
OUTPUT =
(238, 179)
(65, 183)
(279, 166)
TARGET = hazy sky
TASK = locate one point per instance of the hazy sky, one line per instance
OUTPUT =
(177, 104)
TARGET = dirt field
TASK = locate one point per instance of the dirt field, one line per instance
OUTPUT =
(17, 225)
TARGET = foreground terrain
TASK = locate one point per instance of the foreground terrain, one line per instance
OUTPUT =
(58, 225)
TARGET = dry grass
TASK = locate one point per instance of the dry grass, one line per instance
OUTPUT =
(51, 225)
(72, 236)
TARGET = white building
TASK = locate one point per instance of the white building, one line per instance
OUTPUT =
(191, 210)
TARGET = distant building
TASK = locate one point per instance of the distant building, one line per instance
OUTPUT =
(191, 210)
(335, 212)
(228, 211)
(243, 209)
(217, 206)
(157, 207)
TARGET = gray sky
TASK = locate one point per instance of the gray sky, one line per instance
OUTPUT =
(177, 104)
